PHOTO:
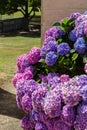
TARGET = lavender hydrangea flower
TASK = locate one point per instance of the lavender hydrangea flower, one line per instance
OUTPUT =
(70, 92)
(51, 58)
(72, 35)
(37, 98)
(34, 55)
(75, 15)
(54, 32)
(52, 104)
(63, 48)
(80, 46)
(80, 19)
(48, 39)
(68, 115)
(40, 126)
(26, 103)
(83, 92)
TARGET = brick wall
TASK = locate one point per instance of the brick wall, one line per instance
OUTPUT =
(55, 10)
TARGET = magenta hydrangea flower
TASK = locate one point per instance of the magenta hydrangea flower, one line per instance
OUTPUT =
(22, 62)
(27, 75)
(85, 68)
(64, 78)
(16, 77)
(34, 55)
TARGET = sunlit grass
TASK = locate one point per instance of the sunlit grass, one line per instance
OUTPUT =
(10, 49)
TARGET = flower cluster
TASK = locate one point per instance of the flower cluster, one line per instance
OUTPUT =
(51, 81)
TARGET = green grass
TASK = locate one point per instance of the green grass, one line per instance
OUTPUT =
(10, 49)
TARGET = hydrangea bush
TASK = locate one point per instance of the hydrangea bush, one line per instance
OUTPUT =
(51, 81)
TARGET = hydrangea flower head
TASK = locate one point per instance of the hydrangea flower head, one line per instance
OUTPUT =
(54, 32)
(16, 77)
(80, 19)
(72, 35)
(80, 45)
(75, 15)
(64, 78)
(51, 58)
(63, 48)
(34, 55)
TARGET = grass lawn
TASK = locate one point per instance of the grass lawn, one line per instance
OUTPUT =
(10, 48)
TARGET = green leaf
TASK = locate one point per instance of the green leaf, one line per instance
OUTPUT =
(59, 40)
(64, 23)
(72, 50)
(71, 21)
(74, 56)
(57, 24)
(85, 59)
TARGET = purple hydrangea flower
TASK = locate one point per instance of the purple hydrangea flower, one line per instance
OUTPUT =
(63, 48)
(75, 15)
(60, 125)
(80, 45)
(72, 35)
(51, 58)
(54, 32)
(48, 39)
(51, 46)
(34, 55)
(81, 118)
(68, 115)
(27, 123)
(40, 126)
(26, 103)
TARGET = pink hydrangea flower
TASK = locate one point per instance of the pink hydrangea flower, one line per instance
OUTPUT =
(16, 78)
(27, 75)
(34, 55)
(64, 78)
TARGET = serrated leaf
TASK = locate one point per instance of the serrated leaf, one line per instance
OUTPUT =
(74, 56)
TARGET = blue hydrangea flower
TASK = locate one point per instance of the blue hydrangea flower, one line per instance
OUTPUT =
(72, 35)
(51, 58)
(63, 48)
(80, 45)
(51, 46)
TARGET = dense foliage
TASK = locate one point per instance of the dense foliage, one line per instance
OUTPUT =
(51, 82)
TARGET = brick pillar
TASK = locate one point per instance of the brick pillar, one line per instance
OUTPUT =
(55, 10)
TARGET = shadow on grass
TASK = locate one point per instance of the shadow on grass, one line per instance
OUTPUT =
(33, 34)
(8, 105)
